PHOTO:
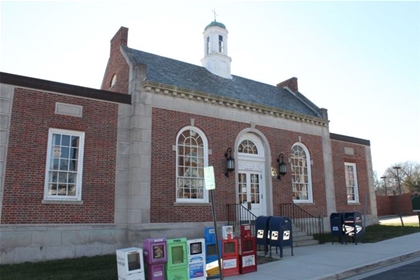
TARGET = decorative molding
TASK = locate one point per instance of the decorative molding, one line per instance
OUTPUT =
(68, 109)
(230, 103)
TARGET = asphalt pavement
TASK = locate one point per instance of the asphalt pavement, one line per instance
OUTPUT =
(408, 270)
(338, 261)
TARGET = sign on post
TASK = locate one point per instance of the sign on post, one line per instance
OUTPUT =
(210, 185)
(209, 182)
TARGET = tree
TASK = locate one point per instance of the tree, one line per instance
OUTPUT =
(408, 175)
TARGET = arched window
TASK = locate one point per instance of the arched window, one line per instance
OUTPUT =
(114, 80)
(301, 173)
(192, 157)
(248, 147)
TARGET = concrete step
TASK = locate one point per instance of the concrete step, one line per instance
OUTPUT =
(301, 238)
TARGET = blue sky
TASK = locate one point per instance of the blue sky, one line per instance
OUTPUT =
(359, 60)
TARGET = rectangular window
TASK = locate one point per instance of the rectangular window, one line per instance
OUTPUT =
(208, 45)
(351, 182)
(64, 166)
(220, 44)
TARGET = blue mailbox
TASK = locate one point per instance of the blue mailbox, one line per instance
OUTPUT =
(262, 233)
(352, 225)
(336, 224)
(281, 233)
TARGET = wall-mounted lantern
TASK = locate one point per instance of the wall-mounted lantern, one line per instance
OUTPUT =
(282, 166)
(230, 162)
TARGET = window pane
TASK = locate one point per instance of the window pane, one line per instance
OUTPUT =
(73, 165)
(54, 164)
(72, 178)
(52, 189)
(75, 141)
(65, 140)
(64, 164)
(65, 152)
(56, 139)
(72, 190)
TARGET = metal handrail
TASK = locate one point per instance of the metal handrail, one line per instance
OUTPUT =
(304, 220)
(240, 215)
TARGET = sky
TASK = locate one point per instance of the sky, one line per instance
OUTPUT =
(359, 60)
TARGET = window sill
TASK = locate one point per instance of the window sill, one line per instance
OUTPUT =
(192, 204)
(306, 202)
(353, 203)
(72, 202)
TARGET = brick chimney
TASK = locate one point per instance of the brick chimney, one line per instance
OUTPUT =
(291, 83)
(117, 70)
(119, 39)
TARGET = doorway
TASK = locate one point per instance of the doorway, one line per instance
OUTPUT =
(251, 179)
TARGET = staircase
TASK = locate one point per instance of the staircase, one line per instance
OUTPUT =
(304, 221)
(301, 238)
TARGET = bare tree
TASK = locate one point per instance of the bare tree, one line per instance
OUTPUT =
(408, 175)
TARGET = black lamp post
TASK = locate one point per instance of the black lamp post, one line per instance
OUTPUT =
(282, 166)
(230, 162)
(398, 177)
(386, 190)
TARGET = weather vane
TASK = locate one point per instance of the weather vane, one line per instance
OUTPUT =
(214, 12)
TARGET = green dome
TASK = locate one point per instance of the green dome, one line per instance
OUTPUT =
(215, 23)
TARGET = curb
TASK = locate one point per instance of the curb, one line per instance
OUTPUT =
(371, 266)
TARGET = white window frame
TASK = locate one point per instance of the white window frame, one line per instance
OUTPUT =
(205, 198)
(355, 185)
(309, 174)
(79, 172)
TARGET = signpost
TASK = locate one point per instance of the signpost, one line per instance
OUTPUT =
(210, 185)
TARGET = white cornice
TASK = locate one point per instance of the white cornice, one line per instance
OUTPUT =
(155, 88)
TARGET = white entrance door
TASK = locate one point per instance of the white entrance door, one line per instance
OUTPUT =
(251, 191)
(251, 174)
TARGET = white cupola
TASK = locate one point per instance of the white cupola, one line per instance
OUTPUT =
(216, 58)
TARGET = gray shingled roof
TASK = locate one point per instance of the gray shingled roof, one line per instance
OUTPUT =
(173, 72)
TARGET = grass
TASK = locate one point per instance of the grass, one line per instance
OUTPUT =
(99, 267)
(105, 267)
(377, 233)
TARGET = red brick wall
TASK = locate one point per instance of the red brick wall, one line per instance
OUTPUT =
(32, 116)
(394, 205)
(359, 158)
(221, 134)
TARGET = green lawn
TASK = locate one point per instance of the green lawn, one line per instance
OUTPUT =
(376, 233)
(100, 267)
(105, 267)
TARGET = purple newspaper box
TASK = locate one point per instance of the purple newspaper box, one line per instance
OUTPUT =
(155, 256)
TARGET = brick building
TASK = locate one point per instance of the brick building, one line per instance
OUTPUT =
(85, 171)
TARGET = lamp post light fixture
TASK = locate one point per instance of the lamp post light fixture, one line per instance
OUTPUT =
(230, 162)
(386, 190)
(282, 166)
(398, 177)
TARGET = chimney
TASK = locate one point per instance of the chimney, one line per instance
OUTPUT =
(119, 39)
(117, 70)
(291, 83)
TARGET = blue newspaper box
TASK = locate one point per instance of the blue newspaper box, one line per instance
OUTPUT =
(281, 233)
(352, 225)
(262, 233)
(336, 224)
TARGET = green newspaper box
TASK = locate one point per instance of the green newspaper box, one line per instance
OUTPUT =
(177, 265)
